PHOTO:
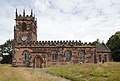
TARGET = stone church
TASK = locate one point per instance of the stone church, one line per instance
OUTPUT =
(28, 52)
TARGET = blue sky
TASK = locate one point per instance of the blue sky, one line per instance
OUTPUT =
(84, 20)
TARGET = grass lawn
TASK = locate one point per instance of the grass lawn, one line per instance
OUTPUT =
(80, 72)
(88, 72)
(8, 73)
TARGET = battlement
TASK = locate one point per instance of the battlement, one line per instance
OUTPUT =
(61, 43)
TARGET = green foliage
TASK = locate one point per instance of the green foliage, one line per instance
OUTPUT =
(87, 72)
(6, 48)
(114, 45)
(114, 41)
(97, 41)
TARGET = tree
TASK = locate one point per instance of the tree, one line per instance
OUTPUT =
(97, 41)
(114, 44)
(6, 51)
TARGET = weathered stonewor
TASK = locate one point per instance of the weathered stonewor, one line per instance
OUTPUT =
(29, 52)
(52, 43)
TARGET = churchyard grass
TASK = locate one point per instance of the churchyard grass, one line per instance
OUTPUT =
(109, 71)
(8, 73)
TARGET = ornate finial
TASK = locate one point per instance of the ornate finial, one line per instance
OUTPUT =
(34, 16)
(31, 12)
(24, 12)
(16, 12)
(36, 19)
(36, 22)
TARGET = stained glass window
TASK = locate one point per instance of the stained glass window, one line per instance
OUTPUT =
(68, 55)
(54, 55)
(26, 55)
(82, 56)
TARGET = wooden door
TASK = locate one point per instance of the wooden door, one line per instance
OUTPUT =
(38, 62)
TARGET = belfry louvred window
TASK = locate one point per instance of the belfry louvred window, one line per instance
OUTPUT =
(23, 26)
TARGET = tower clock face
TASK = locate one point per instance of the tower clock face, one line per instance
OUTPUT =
(24, 38)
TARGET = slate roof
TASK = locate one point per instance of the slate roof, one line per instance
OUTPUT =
(102, 48)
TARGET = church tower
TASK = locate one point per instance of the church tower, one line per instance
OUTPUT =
(25, 32)
(25, 29)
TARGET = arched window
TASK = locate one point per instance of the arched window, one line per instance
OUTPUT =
(105, 58)
(95, 60)
(26, 55)
(100, 59)
(54, 55)
(24, 26)
(82, 55)
(68, 55)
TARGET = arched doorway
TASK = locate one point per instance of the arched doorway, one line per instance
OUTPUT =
(38, 61)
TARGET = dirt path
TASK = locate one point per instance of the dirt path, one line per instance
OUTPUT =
(8, 73)
(56, 78)
(53, 77)
(38, 74)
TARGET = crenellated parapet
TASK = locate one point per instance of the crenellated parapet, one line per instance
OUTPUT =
(61, 43)
(25, 17)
